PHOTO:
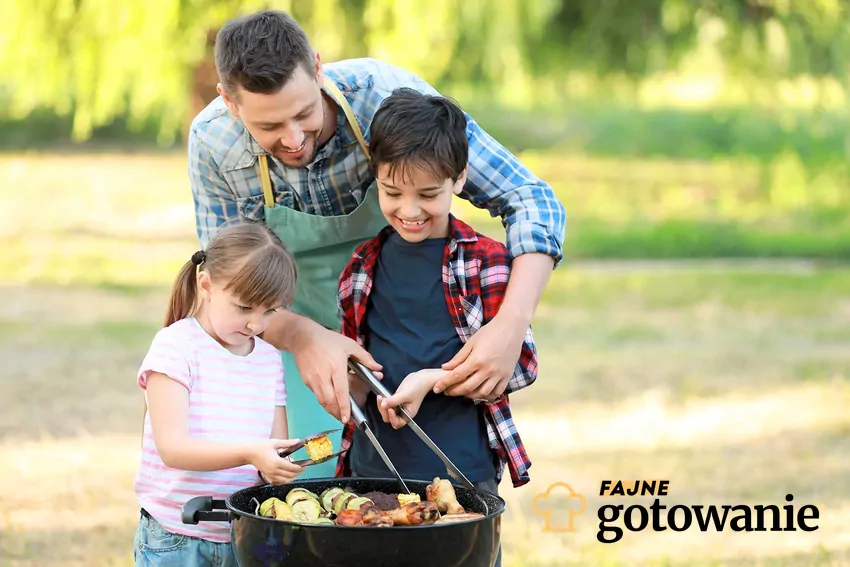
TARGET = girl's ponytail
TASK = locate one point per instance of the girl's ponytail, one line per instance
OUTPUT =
(185, 291)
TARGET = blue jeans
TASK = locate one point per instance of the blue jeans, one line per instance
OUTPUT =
(154, 546)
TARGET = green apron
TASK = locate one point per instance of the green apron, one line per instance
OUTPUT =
(322, 247)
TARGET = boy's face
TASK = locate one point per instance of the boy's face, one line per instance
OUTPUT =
(415, 202)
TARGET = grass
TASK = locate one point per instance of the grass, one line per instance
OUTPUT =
(730, 379)
(716, 182)
(617, 209)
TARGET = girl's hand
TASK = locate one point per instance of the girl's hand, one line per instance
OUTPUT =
(410, 394)
(273, 468)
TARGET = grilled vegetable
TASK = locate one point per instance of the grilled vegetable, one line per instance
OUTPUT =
(319, 448)
(297, 494)
(407, 499)
(327, 496)
(277, 509)
(282, 511)
(358, 502)
(267, 507)
(341, 500)
(306, 510)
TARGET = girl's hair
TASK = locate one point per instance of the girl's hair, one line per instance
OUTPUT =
(256, 265)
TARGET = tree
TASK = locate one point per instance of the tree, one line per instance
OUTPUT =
(140, 58)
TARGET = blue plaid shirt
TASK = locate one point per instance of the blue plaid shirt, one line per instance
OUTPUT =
(225, 177)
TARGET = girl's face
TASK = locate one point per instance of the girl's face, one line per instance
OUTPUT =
(227, 319)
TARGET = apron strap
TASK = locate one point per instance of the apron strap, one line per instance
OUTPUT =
(334, 91)
(265, 181)
(337, 95)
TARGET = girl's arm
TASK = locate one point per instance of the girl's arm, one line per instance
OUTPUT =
(280, 428)
(168, 403)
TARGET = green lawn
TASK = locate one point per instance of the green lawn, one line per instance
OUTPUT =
(732, 380)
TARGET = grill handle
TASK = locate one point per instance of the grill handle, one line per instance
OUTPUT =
(205, 509)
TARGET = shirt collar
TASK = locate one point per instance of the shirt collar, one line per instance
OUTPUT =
(460, 231)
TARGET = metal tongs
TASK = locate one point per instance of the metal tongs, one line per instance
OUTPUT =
(379, 389)
(308, 462)
(360, 421)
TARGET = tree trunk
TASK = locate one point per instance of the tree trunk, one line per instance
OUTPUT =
(204, 79)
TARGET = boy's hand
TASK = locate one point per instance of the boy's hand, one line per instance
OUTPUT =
(485, 364)
(410, 394)
(273, 468)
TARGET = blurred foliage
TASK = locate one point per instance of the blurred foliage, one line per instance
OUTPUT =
(97, 60)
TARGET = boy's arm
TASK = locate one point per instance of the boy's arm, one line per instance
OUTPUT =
(345, 303)
(494, 276)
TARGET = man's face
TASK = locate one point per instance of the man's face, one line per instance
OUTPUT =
(287, 124)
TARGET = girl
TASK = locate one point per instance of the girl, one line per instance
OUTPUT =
(215, 395)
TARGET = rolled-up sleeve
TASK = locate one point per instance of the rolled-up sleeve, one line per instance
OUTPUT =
(215, 203)
(497, 181)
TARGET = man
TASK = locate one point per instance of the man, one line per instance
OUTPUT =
(286, 144)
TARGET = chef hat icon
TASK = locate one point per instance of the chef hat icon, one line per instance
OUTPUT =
(559, 506)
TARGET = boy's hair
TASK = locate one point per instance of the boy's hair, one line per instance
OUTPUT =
(260, 52)
(413, 130)
(256, 265)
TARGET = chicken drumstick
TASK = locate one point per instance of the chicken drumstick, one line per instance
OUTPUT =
(443, 494)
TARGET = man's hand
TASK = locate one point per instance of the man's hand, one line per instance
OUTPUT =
(322, 359)
(358, 388)
(410, 394)
(485, 364)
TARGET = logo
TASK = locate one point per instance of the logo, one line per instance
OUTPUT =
(559, 518)
(560, 505)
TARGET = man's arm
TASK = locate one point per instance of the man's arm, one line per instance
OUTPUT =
(535, 221)
(215, 202)
(501, 356)
(534, 218)
(321, 356)
(497, 181)
(529, 276)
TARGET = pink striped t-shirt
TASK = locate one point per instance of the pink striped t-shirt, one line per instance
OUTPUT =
(232, 398)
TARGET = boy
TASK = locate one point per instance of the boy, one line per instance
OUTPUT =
(414, 294)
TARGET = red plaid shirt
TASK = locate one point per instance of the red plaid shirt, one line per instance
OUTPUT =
(475, 277)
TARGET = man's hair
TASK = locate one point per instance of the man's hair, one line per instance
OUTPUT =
(413, 130)
(260, 52)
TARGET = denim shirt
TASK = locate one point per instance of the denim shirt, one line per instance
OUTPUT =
(226, 185)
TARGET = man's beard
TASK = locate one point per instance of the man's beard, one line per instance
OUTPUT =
(311, 145)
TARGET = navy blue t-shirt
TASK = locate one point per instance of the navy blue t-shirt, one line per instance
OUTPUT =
(407, 328)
